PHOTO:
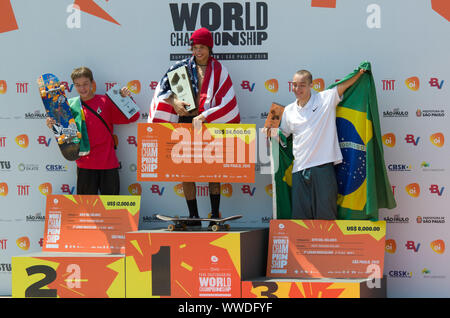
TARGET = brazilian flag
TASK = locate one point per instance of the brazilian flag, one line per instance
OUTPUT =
(78, 116)
(362, 178)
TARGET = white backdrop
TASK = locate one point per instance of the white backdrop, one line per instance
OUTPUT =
(131, 42)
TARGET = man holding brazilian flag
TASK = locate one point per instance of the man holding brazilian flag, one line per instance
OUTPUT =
(362, 183)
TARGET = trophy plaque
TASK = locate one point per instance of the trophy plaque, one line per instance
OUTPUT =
(125, 104)
(273, 119)
(181, 86)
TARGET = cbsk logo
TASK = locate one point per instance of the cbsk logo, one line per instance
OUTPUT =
(400, 274)
(434, 189)
(410, 139)
(43, 141)
(3, 189)
(438, 246)
(23, 242)
(434, 82)
(271, 85)
(390, 246)
(248, 86)
(156, 190)
(437, 139)
(413, 83)
(3, 87)
(389, 140)
(318, 84)
(135, 189)
(247, 190)
(22, 141)
(413, 190)
(411, 245)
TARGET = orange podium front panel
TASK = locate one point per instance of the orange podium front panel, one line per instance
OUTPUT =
(314, 288)
(68, 275)
(197, 264)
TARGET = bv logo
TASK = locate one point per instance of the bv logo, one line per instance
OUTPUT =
(318, 84)
(135, 189)
(247, 190)
(434, 82)
(410, 139)
(389, 140)
(248, 86)
(134, 86)
(438, 246)
(226, 190)
(271, 85)
(413, 189)
(45, 188)
(411, 245)
(23, 242)
(413, 83)
(159, 191)
(3, 87)
(437, 139)
(22, 141)
(434, 189)
(390, 246)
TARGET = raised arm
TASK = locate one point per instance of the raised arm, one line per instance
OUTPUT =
(342, 87)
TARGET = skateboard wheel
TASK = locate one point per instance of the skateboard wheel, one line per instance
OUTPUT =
(171, 227)
(215, 228)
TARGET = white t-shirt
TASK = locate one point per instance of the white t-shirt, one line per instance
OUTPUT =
(313, 126)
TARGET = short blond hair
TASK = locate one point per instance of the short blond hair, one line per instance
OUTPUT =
(82, 71)
(305, 73)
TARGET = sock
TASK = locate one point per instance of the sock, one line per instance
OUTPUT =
(215, 202)
(192, 206)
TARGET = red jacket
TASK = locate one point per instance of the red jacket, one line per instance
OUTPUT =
(102, 154)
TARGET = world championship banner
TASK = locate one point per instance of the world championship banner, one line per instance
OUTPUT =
(89, 223)
(326, 249)
(177, 152)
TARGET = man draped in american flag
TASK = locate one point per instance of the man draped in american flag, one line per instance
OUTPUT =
(215, 101)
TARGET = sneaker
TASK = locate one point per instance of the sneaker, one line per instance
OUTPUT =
(194, 224)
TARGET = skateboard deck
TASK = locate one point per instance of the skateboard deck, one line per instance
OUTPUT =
(57, 107)
(181, 223)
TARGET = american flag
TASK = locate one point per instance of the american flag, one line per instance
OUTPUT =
(217, 100)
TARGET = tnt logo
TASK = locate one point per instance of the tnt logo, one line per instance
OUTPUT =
(45, 188)
(226, 190)
(23, 190)
(411, 245)
(389, 140)
(437, 139)
(248, 86)
(135, 189)
(3, 87)
(247, 190)
(2, 142)
(43, 141)
(159, 191)
(410, 139)
(413, 189)
(413, 83)
(438, 246)
(22, 88)
(390, 246)
(271, 85)
(134, 86)
(22, 141)
(434, 189)
(65, 188)
(3, 189)
(23, 242)
(434, 82)
(109, 85)
(153, 85)
(318, 84)
(132, 140)
(388, 85)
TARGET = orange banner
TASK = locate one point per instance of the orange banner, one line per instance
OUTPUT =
(216, 153)
(321, 248)
(89, 223)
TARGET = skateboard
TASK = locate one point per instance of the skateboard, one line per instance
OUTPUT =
(181, 223)
(57, 107)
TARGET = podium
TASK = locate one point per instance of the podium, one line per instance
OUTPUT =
(83, 251)
(193, 264)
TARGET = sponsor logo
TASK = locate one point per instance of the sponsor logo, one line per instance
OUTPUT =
(413, 189)
(396, 219)
(430, 113)
(400, 274)
(134, 86)
(23, 243)
(22, 141)
(38, 217)
(410, 139)
(437, 139)
(399, 167)
(271, 85)
(246, 189)
(430, 219)
(388, 85)
(45, 188)
(246, 85)
(3, 189)
(395, 113)
(36, 115)
(434, 189)
(390, 246)
(135, 189)
(27, 167)
(5, 165)
(3, 87)
(434, 82)
(413, 83)
(411, 245)
(226, 190)
(389, 140)
(318, 84)
(438, 246)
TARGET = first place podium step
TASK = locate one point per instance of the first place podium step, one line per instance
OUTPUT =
(193, 264)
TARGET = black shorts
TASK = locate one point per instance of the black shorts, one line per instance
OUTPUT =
(93, 181)
(186, 119)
